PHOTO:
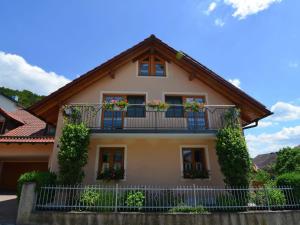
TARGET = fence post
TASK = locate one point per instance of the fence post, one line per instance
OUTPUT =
(26, 204)
(116, 200)
(267, 197)
(195, 199)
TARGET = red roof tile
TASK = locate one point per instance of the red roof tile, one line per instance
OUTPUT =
(32, 129)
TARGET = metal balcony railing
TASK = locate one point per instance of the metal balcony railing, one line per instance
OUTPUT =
(140, 118)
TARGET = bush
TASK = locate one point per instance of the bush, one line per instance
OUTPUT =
(232, 152)
(229, 202)
(73, 153)
(290, 180)
(260, 178)
(268, 196)
(91, 198)
(288, 160)
(188, 209)
(135, 199)
(40, 178)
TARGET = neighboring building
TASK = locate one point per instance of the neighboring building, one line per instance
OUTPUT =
(151, 147)
(9, 104)
(264, 160)
(26, 143)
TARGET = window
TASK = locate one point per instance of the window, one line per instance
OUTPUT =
(115, 119)
(152, 65)
(195, 120)
(136, 107)
(194, 163)
(111, 158)
(177, 110)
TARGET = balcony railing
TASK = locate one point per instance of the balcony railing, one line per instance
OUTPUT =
(139, 118)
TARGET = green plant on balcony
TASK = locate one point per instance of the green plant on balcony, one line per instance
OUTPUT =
(194, 174)
(115, 105)
(111, 174)
(193, 106)
(72, 114)
(158, 105)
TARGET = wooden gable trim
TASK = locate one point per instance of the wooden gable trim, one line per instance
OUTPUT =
(195, 69)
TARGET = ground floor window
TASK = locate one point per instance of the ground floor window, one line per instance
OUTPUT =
(111, 163)
(194, 162)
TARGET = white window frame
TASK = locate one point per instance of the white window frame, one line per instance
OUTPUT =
(205, 147)
(98, 148)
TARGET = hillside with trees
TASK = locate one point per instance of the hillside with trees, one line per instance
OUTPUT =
(25, 98)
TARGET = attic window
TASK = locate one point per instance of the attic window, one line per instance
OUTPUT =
(152, 65)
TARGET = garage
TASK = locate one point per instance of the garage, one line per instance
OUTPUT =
(11, 172)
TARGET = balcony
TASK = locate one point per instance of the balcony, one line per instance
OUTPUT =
(141, 119)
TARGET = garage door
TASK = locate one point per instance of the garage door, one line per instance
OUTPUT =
(11, 172)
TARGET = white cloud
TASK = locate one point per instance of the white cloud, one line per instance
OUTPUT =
(219, 22)
(263, 124)
(235, 82)
(244, 8)
(284, 111)
(212, 6)
(270, 142)
(16, 73)
(293, 64)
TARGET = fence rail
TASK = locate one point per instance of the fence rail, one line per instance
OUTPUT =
(138, 117)
(103, 198)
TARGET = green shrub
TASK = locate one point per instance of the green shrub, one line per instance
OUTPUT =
(40, 178)
(232, 152)
(188, 209)
(288, 160)
(260, 178)
(290, 180)
(91, 198)
(73, 153)
(268, 195)
(135, 199)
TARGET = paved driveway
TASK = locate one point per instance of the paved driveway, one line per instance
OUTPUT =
(8, 208)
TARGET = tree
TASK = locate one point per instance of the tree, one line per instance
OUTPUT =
(288, 160)
(232, 152)
(73, 153)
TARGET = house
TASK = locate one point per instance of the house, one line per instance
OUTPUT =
(9, 104)
(262, 161)
(26, 143)
(145, 144)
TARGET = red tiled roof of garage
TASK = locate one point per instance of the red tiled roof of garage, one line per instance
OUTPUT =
(15, 139)
(31, 130)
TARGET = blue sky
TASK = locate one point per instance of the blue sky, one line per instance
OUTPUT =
(254, 43)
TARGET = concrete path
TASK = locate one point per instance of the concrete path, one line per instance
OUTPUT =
(8, 209)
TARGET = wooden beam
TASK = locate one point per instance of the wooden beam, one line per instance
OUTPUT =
(112, 74)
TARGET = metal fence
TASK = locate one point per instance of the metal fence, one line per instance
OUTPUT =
(139, 117)
(103, 198)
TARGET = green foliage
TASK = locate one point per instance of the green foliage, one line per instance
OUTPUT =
(228, 199)
(111, 174)
(188, 209)
(40, 178)
(233, 156)
(135, 199)
(91, 198)
(260, 178)
(26, 98)
(288, 160)
(73, 153)
(268, 196)
(291, 180)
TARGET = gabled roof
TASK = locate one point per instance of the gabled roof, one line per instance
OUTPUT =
(252, 110)
(31, 128)
(11, 115)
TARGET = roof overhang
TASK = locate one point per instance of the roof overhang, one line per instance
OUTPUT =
(252, 110)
